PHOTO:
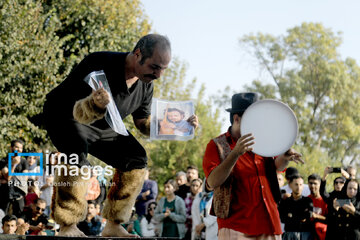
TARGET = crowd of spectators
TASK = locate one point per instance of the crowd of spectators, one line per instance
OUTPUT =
(319, 214)
(307, 211)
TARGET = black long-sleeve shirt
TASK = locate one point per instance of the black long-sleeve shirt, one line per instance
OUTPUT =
(296, 214)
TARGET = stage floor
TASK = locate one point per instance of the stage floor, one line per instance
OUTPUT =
(18, 237)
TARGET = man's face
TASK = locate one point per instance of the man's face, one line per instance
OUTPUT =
(297, 186)
(314, 186)
(339, 184)
(38, 208)
(181, 180)
(98, 209)
(154, 66)
(17, 147)
(192, 174)
(352, 189)
(280, 179)
(9, 227)
(235, 127)
(91, 210)
(174, 116)
(352, 173)
(31, 160)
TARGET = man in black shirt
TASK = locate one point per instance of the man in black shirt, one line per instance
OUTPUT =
(296, 211)
(14, 187)
(35, 217)
(80, 113)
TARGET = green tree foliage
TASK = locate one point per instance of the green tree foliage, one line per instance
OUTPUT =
(30, 57)
(305, 70)
(41, 41)
(97, 25)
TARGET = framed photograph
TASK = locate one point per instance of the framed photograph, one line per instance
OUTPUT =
(169, 120)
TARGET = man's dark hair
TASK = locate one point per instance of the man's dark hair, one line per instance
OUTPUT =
(39, 200)
(8, 218)
(290, 171)
(147, 44)
(175, 110)
(13, 142)
(294, 177)
(91, 202)
(192, 167)
(314, 176)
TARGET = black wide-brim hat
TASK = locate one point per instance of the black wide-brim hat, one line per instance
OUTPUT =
(241, 101)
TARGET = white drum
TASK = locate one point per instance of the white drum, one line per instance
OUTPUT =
(273, 125)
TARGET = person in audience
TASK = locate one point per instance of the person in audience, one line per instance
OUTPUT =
(319, 207)
(148, 193)
(47, 191)
(16, 188)
(338, 185)
(32, 195)
(147, 223)
(351, 170)
(33, 167)
(9, 224)
(133, 225)
(91, 226)
(34, 215)
(280, 179)
(22, 227)
(204, 224)
(171, 213)
(182, 187)
(296, 211)
(290, 171)
(344, 216)
(192, 172)
(195, 188)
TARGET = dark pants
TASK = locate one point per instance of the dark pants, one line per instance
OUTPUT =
(297, 236)
(122, 152)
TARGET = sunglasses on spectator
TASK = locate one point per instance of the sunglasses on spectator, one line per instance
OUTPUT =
(39, 208)
(151, 208)
(339, 182)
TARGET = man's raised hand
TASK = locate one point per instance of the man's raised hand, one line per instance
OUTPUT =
(244, 144)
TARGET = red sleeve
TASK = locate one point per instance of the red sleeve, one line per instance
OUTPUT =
(211, 158)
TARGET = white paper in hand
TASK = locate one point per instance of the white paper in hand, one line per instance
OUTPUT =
(98, 80)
